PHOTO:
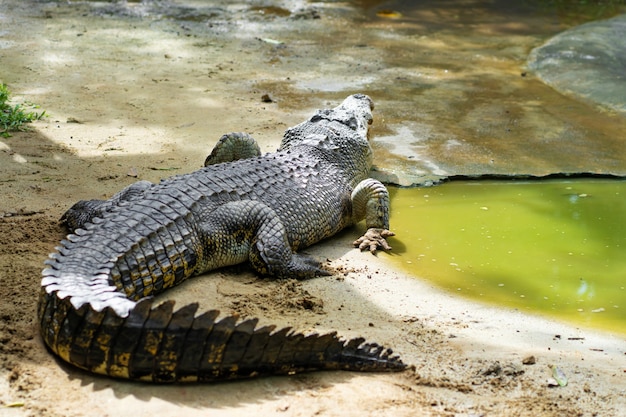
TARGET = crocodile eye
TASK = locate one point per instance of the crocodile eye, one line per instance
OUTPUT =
(353, 123)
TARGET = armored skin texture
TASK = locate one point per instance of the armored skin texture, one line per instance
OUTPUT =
(96, 309)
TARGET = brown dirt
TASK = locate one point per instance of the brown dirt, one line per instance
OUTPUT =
(467, 359)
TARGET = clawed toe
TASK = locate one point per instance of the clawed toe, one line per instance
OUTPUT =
(373, 240)
(305, 267)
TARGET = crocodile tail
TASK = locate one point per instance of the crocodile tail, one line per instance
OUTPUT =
(158, 344)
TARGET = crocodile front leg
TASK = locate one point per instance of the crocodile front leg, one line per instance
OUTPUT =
(370, 201)
(249, 230)
(231, 147)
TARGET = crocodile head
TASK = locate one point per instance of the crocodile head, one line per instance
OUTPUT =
(354, 112)
(331, 129)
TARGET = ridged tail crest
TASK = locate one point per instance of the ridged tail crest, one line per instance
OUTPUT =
(158, 344)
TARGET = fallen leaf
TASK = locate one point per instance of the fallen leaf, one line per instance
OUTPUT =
(271, 41)
(389, 14)
(559, 376)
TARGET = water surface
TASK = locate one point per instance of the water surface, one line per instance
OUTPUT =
(553, 247)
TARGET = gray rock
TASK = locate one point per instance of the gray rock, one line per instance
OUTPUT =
(588, 61)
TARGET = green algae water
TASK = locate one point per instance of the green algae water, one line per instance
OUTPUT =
(552, 247)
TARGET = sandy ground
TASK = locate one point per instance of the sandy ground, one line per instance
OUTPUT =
(118, 115)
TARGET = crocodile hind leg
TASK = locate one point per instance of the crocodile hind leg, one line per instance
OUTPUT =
(85, 210)
(231, 147)
(370, 201)
(249, 230)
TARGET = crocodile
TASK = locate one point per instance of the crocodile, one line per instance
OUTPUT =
(97, 310)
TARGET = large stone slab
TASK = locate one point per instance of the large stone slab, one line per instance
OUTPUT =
(468, 105)
(587, 61)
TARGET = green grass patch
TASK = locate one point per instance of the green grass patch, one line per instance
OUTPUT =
(13, 117)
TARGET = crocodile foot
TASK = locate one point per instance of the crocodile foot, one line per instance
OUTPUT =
(374, 239)
(304, 267)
